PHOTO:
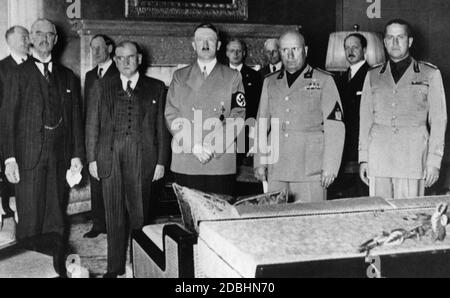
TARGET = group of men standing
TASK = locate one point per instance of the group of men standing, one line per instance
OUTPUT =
(375, 123)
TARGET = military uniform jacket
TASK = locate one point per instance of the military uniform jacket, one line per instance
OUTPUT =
(219, 96)
(394, 138)
(310, 131)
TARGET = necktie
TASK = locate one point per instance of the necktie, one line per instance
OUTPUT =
(349, 77)
(46, 71)
(274, 68)
(99, 75)
(129, 90)
(23, 60)
(205, 73)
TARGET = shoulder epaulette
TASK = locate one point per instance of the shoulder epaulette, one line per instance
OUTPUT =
(428, 64)
(376, 66)
(323, 71)
(273, 73)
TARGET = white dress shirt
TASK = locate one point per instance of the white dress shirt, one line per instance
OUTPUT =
(104, 67)
(19, 58)
(134, 79)
(208, 66)
(277, 66)
(238, 68)
(355, 67)
(40, 66)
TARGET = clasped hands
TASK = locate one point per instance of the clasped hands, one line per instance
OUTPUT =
(430, 175)
(13, 175)
(204, 153)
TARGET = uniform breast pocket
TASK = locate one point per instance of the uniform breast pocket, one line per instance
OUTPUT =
(420, 92)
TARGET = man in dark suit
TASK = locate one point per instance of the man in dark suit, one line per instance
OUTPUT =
(236, 52)
(17, 38)
(272, 53)
(127, 147)
(350, 86)
(102, 47)
(42, 138)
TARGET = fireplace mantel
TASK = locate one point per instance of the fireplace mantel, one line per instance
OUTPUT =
(168, 44)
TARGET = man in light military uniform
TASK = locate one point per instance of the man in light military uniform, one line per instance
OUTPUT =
(215, 92)
(398, 156)
(311, 134)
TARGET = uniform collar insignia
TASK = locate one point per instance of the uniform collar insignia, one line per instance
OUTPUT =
(281, 75)
(309, 73)
(416, 67)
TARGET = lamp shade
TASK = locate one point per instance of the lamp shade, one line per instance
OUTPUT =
(336, 60)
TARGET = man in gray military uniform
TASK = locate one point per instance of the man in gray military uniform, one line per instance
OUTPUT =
(205, 94)
(398, 155)
(306, 102)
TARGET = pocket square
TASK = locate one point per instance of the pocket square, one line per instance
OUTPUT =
(358, 92)
(68, 91)
(154, 101)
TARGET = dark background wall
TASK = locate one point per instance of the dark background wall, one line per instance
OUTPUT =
(317, 18)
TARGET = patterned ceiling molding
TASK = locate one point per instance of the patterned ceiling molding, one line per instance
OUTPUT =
(223, 10)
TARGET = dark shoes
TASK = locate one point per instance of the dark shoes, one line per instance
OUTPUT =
(113, 274)
(93, 233)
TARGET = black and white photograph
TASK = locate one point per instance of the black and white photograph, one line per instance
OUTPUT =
(236, 143)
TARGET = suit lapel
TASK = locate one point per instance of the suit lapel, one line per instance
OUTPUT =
(11, 62)
(60, 81)
(116, 92)
(142, 97)
(111, 70)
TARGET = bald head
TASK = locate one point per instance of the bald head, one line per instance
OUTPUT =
(293, 50)
(18, 41)
(39, 23)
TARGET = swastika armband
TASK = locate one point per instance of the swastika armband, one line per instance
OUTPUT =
(336, 114)
(238, 100)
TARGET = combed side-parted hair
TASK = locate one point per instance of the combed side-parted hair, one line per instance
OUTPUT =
(359, 36)
(400, 22)
(124, 43)
(107, 39)
(240, 41)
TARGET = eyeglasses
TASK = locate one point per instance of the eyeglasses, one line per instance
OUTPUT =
(45, 34)
(285, 51)
(125, 58)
